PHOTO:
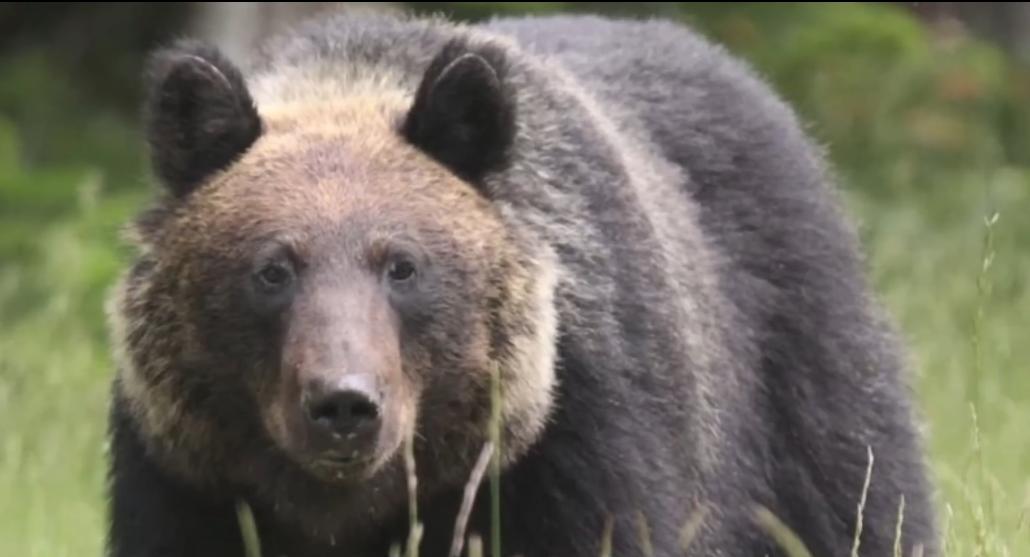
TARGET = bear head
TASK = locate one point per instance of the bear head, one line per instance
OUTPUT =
(323, 280)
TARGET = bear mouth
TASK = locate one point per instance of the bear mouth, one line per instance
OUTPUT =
(341, 467)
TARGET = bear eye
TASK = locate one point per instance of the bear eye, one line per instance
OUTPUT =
(274, 277)
(401, 271)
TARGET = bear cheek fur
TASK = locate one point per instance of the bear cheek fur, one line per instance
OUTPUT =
(508, 327)
(169, 380)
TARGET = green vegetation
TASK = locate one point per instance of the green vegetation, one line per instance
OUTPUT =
(931, 136)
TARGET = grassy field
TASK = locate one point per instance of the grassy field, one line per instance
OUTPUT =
(949, 251)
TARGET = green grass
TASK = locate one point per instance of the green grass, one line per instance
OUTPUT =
(956, 279)
(54, 368)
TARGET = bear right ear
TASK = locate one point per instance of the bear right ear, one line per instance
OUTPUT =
(199, 115)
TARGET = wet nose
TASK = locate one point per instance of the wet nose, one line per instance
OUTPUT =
(349, 408)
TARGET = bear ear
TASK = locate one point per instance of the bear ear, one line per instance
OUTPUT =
(463, 114)
(199, 114)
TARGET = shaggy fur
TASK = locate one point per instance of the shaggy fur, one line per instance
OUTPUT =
(654, 261)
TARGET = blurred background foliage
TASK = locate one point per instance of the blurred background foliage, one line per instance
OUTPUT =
(924, 109)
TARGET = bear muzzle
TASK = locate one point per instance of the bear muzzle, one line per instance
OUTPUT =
(341, 398)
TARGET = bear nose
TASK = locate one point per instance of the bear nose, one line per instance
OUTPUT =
(345, 410)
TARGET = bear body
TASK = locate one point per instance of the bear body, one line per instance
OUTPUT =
(616, 217)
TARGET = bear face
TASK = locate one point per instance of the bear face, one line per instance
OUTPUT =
(324, 281)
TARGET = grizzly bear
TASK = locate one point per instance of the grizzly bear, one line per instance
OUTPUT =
(604, 249)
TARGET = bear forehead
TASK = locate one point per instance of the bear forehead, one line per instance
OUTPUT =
(335, 164)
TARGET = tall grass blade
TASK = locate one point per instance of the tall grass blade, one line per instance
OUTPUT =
(861, 504)
(248, 529)
(469, 498)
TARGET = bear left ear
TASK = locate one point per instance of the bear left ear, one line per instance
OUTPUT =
(199, 114)
(464, 114)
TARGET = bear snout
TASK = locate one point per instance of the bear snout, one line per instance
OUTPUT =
(348, 415)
